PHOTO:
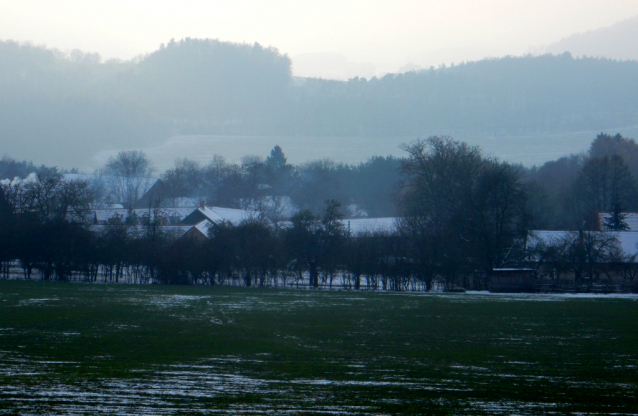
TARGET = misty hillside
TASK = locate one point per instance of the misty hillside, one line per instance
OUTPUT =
(71, 105)
(507, 96)
(59, 108)
(618, 41)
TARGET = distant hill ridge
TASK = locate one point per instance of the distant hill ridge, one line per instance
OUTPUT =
(60, 108)
(618, 41)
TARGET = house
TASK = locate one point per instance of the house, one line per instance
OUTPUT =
(199, 232)
(626, 241)
(587, 259)
(217, 215)
(191, 222)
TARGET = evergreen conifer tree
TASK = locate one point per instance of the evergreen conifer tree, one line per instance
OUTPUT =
(616, 222)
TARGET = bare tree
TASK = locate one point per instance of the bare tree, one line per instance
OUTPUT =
(315, 244)
(462, 211)
(129, 163)
(586, 255)
(49, 197)
(129, 173)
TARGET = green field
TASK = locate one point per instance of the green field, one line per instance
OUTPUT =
(120, 349)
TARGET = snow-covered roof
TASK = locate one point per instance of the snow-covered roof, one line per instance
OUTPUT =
(362, 225)
(218, 215)
(628, 240)
(232, 215)
(357, 226)
(631, 219)
(203, 227)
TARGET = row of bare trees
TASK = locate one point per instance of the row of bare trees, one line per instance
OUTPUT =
(40, 226)
(584, 257)
(310, 251)
(463, 215)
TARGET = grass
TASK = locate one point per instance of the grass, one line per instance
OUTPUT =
(117, 349)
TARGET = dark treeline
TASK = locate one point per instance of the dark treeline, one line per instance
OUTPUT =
(564, 194)
(461, 214)
(41, 232)
(51, 100)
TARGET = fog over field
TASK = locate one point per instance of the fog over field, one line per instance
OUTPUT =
(526, 150)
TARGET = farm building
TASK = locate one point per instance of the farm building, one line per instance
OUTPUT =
(178, 222)
(216, 215)
(625, 241)
(606, 259)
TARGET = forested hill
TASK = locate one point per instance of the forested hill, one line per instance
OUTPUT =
(507, 96)
(71, 104)
(61, 107)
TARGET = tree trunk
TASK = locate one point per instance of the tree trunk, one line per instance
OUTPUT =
(314, 275)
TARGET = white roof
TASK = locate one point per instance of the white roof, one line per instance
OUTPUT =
(217, 215)
(203, 227)
(631, 219)
(362, 225)
(233, 215)
(628, 240)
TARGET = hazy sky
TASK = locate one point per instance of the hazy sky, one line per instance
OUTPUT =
(382, 34)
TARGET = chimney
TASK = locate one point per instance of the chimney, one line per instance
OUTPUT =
(202, 205)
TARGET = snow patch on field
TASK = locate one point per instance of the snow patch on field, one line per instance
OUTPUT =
(193, 388)
(27, 302)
